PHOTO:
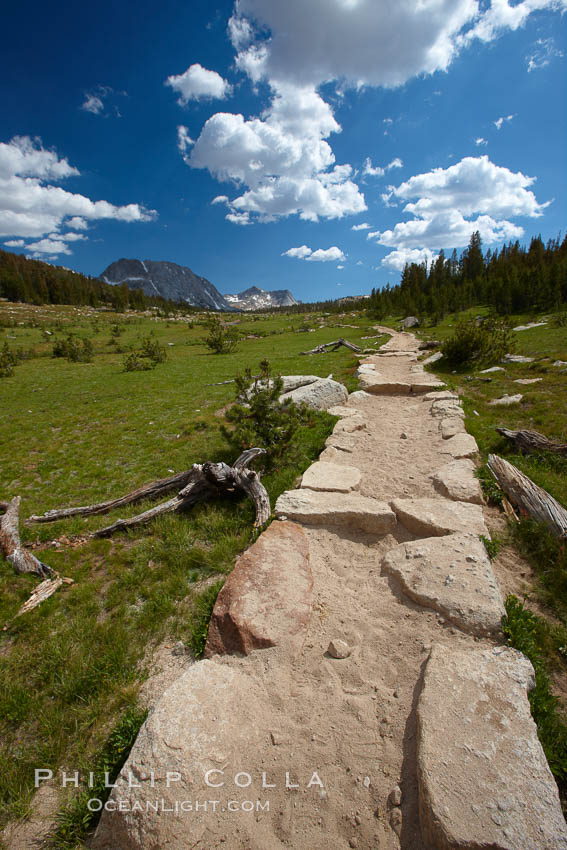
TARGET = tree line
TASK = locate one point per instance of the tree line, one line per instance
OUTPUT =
(35, 282)
(514, 279)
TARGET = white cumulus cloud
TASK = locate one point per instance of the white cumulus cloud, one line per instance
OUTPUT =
(502, 15)
(479, 142)
(281, 158)
(363, 226)
(198, 83)
(77, 223)
(96, 100)
(321, 255)
(397, 259)
(371, 170)
(358, 41)
(32, 207)
(448, 204)
(378, 170)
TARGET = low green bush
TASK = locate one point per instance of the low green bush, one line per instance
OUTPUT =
(151, 353)
(548, 556)
(219, 339)
(260, 420)
(478, 342)
(74, 349)
(7, 361)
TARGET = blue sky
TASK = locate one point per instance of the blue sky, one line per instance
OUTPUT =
(315, 145)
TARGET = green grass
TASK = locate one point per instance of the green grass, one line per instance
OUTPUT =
(75, 819)
(199, 629)
(537, 639)
(79, 433)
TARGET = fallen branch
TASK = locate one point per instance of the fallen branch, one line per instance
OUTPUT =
(319, 349)
(42, 592)
(200, 482)
(22, 560)
(148, 491)
(528, 497)
(533, 441)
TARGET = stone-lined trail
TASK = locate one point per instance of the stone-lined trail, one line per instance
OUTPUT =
(376, 707)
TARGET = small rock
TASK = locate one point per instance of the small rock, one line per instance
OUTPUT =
(506, 400)
(529, 325)
(366, 782)
(433, 358)
(397, 693)
(396, 820)
(396, 796)
(517, 358)
(403, 436)
(179, 648)
(339, 649)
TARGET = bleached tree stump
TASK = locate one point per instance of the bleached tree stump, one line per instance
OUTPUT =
(21, 559)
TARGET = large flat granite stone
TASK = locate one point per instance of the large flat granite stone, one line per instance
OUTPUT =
(413, 385)
(353, 511)
(484, 782)
(451, 426)
(208, 720)
(436, 517)
(461, 445)
(331, 476)
(267, 598)
(456, 480)
(454, 576)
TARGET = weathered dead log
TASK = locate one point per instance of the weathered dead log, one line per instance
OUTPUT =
(207, 480)
(533, 441)
(528, 497)
(147, 491)
(12, 549)
(319, 349)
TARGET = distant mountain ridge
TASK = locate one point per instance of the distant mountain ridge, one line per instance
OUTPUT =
(255, 298)
(171, 281)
